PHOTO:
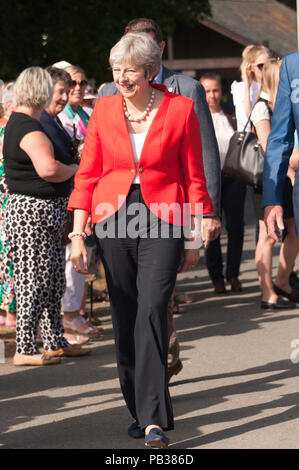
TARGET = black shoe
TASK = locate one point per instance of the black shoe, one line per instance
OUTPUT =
(175, 369)
(280, 304)
(294, 280)
(156, 439)
(293, 295)
(135, 431)
(235, 284)
(219, 287)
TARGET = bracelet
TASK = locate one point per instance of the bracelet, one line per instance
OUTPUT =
(77, 234)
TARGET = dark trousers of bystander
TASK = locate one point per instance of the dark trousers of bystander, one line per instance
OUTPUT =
(232, 202)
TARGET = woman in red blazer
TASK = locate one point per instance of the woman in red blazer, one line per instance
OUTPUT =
(141, 165)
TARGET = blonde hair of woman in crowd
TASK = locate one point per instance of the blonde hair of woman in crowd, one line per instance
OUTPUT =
(270, 79)
(273, 294)
(245, 93)
(250, 64)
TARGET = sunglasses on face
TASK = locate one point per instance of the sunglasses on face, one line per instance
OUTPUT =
(81, 84)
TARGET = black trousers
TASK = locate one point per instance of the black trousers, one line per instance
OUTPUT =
(232, 202)
(141, 273)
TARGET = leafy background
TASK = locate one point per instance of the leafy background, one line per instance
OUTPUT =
(42, 32)
(81, 32)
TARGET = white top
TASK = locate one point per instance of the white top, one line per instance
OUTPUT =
(260, 110)
(238, 92)
(223, 131)
(137, 141)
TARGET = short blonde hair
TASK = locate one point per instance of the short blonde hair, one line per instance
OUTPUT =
(72, 69)
(33, 88)
(250, 55)
(137, 49)
(270, 79)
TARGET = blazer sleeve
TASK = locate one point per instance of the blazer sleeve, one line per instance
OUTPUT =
(210, 151)
(90, 168)
(280, 142)
(192, 164)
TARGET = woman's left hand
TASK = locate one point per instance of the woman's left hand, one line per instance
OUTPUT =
(190, 259)
(78, 256)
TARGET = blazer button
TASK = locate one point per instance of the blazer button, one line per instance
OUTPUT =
(141, 170)
(132, 171)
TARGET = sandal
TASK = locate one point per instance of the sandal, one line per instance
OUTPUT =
(103, 296)
(81, 326)
(177, 308)
(183, 298)
(76, 339)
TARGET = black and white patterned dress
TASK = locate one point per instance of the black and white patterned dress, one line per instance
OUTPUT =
(34, 220)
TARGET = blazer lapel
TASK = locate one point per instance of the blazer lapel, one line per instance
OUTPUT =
(123, 146)
(151, 146)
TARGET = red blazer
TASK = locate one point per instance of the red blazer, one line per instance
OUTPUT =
(170, 167)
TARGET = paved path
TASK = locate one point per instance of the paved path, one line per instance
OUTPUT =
(238, 389)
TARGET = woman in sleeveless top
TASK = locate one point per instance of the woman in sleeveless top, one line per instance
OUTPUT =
(38, 189)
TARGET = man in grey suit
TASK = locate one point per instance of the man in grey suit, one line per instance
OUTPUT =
(183, 85)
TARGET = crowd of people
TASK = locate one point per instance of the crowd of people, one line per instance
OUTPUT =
(76, 163)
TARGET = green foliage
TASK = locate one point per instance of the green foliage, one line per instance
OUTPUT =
(41, 32)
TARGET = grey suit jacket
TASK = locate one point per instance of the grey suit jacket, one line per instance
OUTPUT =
(183, 85)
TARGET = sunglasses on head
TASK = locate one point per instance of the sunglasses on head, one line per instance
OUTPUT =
(81, 84)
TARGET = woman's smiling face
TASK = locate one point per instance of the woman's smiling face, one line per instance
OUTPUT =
(130, 79)
(77, 91)
(60, 98)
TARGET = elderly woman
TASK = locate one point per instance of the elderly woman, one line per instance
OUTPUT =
(39, 186)
(49, 116)
(139, 143)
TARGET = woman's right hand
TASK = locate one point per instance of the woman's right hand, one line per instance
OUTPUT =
(247, 75)
(78, 257)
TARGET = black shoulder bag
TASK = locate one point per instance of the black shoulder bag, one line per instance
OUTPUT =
(245, 158)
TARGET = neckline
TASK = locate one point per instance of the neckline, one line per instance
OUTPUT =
(138, 133)
(153, 123)
(24, 114)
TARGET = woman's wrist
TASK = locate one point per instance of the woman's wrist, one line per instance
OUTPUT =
(73, 235)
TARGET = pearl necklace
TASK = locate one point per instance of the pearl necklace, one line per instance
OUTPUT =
(145, 113)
